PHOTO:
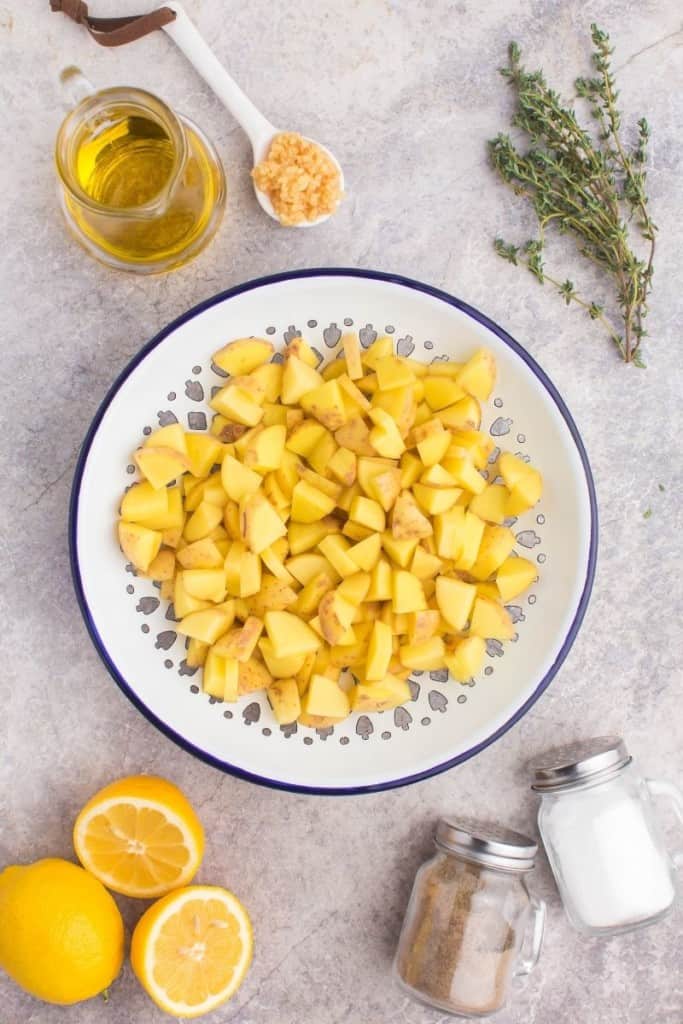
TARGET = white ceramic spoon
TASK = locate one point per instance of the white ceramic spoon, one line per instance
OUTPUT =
(258, 128)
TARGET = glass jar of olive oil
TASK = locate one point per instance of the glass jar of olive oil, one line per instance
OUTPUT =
(141, 187)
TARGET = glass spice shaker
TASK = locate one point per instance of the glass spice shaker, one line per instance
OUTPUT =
(604, 843)
(466, 930)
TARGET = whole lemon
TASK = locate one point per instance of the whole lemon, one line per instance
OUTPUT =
(61, 934)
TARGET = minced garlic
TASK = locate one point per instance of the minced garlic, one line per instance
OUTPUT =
(299, 178)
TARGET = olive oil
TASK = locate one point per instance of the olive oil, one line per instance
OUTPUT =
(143, 191)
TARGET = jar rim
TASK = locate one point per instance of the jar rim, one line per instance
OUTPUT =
(581, 763)
(486, 843)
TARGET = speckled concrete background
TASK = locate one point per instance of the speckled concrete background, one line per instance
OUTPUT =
(406, 93)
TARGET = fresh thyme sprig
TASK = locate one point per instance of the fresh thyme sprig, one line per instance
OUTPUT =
(594, 190)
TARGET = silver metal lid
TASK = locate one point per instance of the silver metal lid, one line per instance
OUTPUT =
(577, 763)
(486, 843)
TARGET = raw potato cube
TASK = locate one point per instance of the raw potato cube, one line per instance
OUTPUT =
(289, 634)
(514, 576)
(437, 476)
(355, 435)
(385, 487)
(139, 545)
(274, 595)
(240, 643)
(392, 373)
(263, 452)
(172, 436)
(432, 442)
(310, 597)
(465, 414)
(385, 437)
(478, 375)
(205, 584)
(423, 625)
(342, 465)
(274, 564)
(206, 625)
(352, 396)
(306, 567)
(143, 502)
(380, 696)
(305, 437)
(269, 376)
(162, 568)
(455, 599)
(334, 615)
(237, 405)
(380, 582)
(400, 551)
(252, 675)
(351, 347)
(496, 544)
(326, 404)
(283, 695)
(183, 603)
(172, 519)
(411, 469)
(429, 655)
(249, 573)
(280, 668)
(219, 678)
(302, 350)
(441, 391)
(325, 698)
(322, 453)
(435, 500)
(238, 481)
(470, 540)
(463, 471)
(196, 653)
(381, 347)
(466, 659)
(243, 355)
(368, 513)
(477, 444)
(491, 620)
(309, 504)
(354, 588)
(203, 451)
(335, 549)
(380, 650)
(160, 465)
(407, 594)
(424, 565)
(491, 503)
(260, 525)
(525, 483)
(407, 521)
(366, 553)
(202, 522)
(323, 483)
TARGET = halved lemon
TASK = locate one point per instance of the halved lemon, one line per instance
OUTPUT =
(140, 836)
(192, 949)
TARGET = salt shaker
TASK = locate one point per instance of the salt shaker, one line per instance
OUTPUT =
(602, 837)
(471, 924)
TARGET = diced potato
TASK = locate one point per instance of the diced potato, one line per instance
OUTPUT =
(380, 581)
(240, 643)
(491, 503)
(463, 471)
(274, 564)
(400, 404)
(260, 525)
(380, 696)
(380, 651)
(342, 465)
(477, 444)
(385, 487)
(206, 625)
(263, 452)
(429, 655)
(196, 653)
(335, 615)
(160, 465)
(280, 668)
(455, 599)
(304, 437)
(470, 540)
(274, 595)
(202, 521)
(392, 372)
(411, 469)
(432, 442)
(249, 573)
(172, 519)
(319, 458)
(400, 551)
(184, 603)
(335, 549)
(441, 391)
(381, 347)
(514, 575)
(352, 397)
(309, 504)
(326, 404)
(237, 405)
(465, 414)
(142, 501)
(283, 695)
(354, 588)
(162, 567)
(307, 566)
(310, 596)
(525, 483)
(325, 698)
(496, 544)
(365, 554)
(269, 376)
(243, 356)
(478, 375)
(466, 659)
(407, 594)
(219, 679)
(424, 565)
(355, 435)
(423, 625)
(488, 590)
(238, 481)
(407, 521)
(368, 513)
(302, 350)
(205, 584)
(491, 620)
(323, 483)
(289, 634)
(435, 500)
(203, 451)
(171, 436)
(385, 437)
(139, 545)
(252, 675)
(352, 354)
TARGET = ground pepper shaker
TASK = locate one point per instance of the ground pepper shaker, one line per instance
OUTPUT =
(603, 840)
(470, 920)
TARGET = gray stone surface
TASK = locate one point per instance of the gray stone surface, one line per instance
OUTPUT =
(406, 93)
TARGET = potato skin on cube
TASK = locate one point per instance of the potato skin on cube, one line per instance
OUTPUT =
(336, 529)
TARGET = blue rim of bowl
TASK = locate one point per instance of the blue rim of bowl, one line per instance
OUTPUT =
(261, 282)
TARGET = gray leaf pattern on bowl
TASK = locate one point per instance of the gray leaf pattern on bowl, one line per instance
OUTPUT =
(195, 391)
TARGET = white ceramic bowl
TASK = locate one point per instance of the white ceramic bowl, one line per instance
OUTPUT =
(446, 722)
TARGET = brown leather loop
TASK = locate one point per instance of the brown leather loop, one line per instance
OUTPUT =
(114, 31)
